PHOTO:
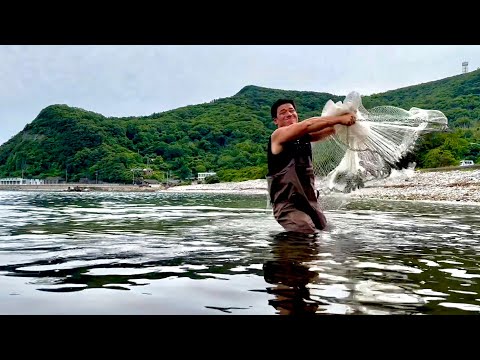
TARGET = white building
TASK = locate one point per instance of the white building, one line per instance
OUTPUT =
(202, 176)
(20, 181)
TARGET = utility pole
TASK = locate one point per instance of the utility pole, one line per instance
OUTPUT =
(148, 163)
(133, 174)
(23, 168)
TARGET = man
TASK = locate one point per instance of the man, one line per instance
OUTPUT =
(291, 181)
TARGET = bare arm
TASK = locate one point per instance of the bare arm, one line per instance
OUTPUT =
(309, 126)
(322, 134)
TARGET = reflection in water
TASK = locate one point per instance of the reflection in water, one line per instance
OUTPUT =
(167, 253)
(289, 272)
(312, 275)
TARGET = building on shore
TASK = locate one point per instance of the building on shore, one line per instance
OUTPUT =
(21, 181)
(202, 175)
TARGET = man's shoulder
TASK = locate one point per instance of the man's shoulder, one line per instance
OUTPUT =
(278, 131)
(273, 135)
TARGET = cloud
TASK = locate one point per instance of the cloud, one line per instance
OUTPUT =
(124, 80)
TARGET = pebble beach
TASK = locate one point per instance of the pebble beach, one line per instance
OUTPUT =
(456, 185)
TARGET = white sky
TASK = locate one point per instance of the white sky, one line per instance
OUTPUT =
(136, 80)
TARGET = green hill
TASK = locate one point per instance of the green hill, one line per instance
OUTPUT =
(227, 135)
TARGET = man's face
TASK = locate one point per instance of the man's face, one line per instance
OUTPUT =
(286, 115)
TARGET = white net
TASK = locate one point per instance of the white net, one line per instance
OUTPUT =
(367, 150)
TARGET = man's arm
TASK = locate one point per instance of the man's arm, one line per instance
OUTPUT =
(322, 134)
(308, 126)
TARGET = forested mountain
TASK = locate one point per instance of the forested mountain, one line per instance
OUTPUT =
(228, 135)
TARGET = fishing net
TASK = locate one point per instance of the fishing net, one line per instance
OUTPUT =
(368, 150)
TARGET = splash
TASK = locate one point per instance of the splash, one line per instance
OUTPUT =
(370, 148)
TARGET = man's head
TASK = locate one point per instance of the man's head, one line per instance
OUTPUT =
(284, 112)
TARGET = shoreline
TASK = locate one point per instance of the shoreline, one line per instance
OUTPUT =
(448, 186)
(452, 186)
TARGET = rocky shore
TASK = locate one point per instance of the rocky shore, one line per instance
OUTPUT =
(457, 185)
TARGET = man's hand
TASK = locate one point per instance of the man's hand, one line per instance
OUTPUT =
(348, 119)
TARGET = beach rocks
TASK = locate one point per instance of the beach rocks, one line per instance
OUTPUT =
(455, 185)
(435, 186)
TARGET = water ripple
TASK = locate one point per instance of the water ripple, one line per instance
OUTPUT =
(160, 253)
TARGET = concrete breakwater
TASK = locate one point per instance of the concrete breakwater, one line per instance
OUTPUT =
(81, 187)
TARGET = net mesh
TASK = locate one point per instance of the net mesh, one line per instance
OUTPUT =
(367, 150)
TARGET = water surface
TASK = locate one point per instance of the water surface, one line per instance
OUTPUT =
(167, 253)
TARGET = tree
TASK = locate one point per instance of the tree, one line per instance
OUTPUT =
(213, 179)
(438, 158)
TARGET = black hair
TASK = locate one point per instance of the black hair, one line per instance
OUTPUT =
(279, 102)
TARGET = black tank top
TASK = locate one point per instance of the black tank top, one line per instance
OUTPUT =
(301, 149)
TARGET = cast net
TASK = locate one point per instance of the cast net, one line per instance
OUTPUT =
(368, 150)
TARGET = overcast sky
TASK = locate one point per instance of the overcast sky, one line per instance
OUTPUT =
(124, 80)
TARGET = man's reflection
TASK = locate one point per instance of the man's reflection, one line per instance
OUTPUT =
(289, 272)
